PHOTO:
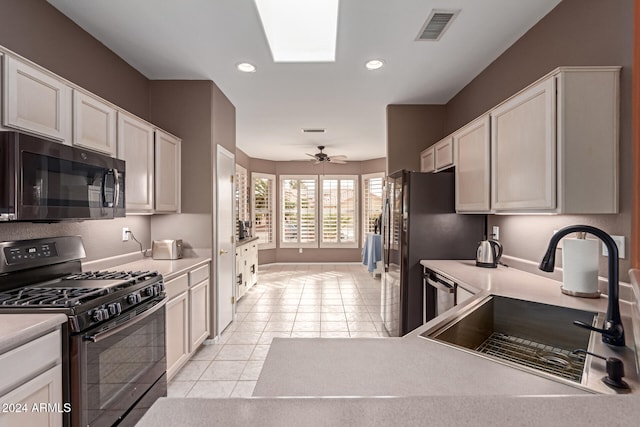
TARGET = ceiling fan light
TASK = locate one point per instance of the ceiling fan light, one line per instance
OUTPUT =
(374, 64)
(246, 67)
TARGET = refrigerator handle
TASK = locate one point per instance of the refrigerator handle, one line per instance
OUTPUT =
(385, 228)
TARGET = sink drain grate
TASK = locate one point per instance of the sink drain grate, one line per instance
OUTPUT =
(552, 360)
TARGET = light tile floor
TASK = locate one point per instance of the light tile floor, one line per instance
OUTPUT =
(301, 300)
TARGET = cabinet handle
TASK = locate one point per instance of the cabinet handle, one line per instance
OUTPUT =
(222, 252)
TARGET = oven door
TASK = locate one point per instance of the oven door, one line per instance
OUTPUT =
(114, 367)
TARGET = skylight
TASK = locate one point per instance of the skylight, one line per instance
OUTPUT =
(300, 30)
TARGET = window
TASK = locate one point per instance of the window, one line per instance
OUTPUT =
(264, 209)
(298, 225)
(372, 199)
(242, 194)
(339, 211)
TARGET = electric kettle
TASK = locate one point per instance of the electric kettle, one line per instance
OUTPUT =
(488, 254)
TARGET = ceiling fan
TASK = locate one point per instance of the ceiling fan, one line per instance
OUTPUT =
(323, 157)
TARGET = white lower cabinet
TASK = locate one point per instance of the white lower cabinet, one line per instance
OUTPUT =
(177, 332)
(188, 316)
(246, 267)
(31, 389)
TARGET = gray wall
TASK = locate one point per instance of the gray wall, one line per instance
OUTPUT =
(37, 31)
(576, 32)
(278, 254)
(411, 129)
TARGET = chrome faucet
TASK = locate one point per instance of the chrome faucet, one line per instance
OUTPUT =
(612, 330)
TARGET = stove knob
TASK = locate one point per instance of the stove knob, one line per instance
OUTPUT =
(100, 314)
(115, 309)
(134, 298)
(149, 291)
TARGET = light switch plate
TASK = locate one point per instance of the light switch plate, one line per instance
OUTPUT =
(620, 243)
(496, 232)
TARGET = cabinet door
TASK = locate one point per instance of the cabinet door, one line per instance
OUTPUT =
(135, 146)
(167, 172)
(443, 154)
(177, 333)
(35, 101)
(473, 173)
(427, 160)
(253, 265)
(198, 314)
(44, 389)
(523, 150)
(94, 124)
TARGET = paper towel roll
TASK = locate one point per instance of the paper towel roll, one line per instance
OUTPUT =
(580, 267)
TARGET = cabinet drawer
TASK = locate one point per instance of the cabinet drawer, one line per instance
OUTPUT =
(177, 286)
(29, 360)
(198, 275)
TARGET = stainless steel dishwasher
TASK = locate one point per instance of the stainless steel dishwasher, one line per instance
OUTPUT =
(441, 293)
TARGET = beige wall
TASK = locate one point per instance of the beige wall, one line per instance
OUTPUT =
(38, 32)
(268, 256)
(411, 129)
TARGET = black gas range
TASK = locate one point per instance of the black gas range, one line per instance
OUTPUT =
(114, 359)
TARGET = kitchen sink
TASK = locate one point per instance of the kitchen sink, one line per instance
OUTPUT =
(526, 334)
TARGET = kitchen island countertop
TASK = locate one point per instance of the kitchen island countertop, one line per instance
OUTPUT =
(341, 381)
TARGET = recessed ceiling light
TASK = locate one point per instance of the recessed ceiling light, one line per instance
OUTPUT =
(374, 64)
(245, 67)
(300, 31)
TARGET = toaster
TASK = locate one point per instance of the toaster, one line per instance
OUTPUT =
(167, 249)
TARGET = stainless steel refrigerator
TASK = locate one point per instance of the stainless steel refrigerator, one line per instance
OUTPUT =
(419, 222)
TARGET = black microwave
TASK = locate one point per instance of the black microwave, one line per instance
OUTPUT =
(42, 180)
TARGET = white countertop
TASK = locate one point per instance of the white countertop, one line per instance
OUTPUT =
(168, 268)
(434, 411)
(17, 329)
(434, 383)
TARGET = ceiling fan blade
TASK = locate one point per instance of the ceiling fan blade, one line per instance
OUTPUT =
(316, 162)
(310, 155)
(339, 162)
(338, 157)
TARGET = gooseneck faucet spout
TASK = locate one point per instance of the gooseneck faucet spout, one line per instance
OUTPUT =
(612, 330)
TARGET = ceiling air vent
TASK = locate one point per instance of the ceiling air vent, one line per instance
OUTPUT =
(312, 130)
(437, 22)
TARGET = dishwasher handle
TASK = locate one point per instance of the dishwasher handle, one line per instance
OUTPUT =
(441, 285)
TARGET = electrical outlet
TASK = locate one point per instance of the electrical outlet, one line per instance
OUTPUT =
(619, 242)
(299, 250)
(495, 233)
(125, 234)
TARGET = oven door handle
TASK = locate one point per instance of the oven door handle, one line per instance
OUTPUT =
(106, 334)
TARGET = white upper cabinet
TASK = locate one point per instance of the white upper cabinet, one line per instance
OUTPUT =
(443, 154)
(427, 160)
(36, 101)
(524, 150)
(554, 145)
(473, 166)
(94, 124)
(135, 147)
(167, 172)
